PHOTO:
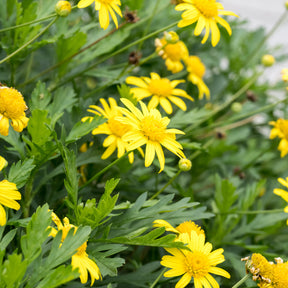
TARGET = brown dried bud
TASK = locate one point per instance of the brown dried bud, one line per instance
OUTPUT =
(131, 16)
(220, 135)
(134, 57)
(251, 96)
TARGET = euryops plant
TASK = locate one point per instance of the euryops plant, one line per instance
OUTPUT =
(141, 145)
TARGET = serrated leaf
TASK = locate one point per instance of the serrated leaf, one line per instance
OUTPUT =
(81, 129)
(37, 233)
(124, 92)
(20, 172)
(13, 271)
(37, 127)
(40, 97)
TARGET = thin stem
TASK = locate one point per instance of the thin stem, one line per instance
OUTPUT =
(103, 171)
(167, 184)
(29, 42)
(71, 56)
(227, 103)
(158, 278)
(103, 59)
(246, 277)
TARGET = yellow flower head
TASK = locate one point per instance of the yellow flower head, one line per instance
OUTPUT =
(206, 14)
(113, 128)
(196, 70)
(148, 127)
(8, 195)
(282, 193)
(280, 130)
(197, 263)
(3, 163)
(80, 259)
(105, 7)
(13, 107)
(162, 91)
(63, 8)
(173, 51)
(185, 227)
(259, 265)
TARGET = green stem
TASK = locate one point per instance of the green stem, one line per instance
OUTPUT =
(103, 59)
(247, 276)
(227, 103)
(29, 42)
(103, 171)
(167, 184)
(252, 212)
(158, 278)
(28, 196)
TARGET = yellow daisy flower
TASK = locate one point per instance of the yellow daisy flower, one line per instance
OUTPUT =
(148, 127)
(8, 195)
(282, 193)
(105, 7)
(12, 107)
(80, 259)
(196, 70)
(185, 227)
(205, 13)
(197, 263)
(161, 90)
(173, 51)
(280, 130)
(113, 128)
(3, 163)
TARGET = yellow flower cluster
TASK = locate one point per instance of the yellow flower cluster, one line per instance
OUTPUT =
(80, 260)
(268, 274)
(174, 52)
(130, 128)
(197, 262)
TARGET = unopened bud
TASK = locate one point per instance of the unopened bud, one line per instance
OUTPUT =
(286, 4)
(251, 96)
(185, 164)
(267, 60)
(236, 107)
(63, 8)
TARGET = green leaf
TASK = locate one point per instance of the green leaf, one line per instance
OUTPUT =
(58, 276)
(40, 97)
(7, 239)
(124, 92)
(13, 271)
(67, 47)
(37, 127)
(37, 233)
(92, 215)
(20, 172)
(81, 129)
(224, 195)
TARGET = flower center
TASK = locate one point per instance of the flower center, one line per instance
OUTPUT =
(207, 7)
(197, 264)
(153, 128)
(188, 226)
(195, 66)
(174, 51)
(117, 128)
(160, 87)
(12, 104)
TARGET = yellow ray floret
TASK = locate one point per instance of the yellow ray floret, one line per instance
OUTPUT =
(105, 8)
(206, 14)
(149, 128)
(8, 195)
(280, 130)
(162, 90)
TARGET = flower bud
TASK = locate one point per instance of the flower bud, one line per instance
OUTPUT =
(236, 107)
(63, 8)
(171, 37)
(185, 164)
(267, 60)
(286, 4)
